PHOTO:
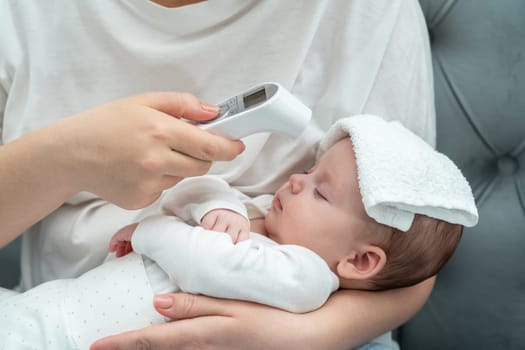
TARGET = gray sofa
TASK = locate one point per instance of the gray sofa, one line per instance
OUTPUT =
(478, 51)
(9, 265)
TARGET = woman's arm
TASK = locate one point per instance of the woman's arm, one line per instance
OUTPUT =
(348, 319)
(126, 151)
(32, 183)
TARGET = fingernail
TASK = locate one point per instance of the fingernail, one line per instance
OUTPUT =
(163, 301)
(207, 107)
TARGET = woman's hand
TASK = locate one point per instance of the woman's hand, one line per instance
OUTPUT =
(129, 151)
(219, 324)
(348, 319)
(126, 151)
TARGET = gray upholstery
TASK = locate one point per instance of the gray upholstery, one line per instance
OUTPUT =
(9, 264)
(479, 65)
(478, 49)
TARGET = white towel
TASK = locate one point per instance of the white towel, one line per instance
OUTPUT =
(400, 175)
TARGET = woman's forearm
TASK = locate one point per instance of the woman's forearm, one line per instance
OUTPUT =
(347, 320)
(33, 182)
(351, 318)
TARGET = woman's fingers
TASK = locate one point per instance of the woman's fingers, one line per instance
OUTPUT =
(178, 105)
(183, 306)
(180, 335)
(208, 323)
(192, 141)
(184, 137)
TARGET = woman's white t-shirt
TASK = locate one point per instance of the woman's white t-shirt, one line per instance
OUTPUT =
(340, 57)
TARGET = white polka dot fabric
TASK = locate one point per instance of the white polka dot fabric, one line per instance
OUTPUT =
(6, 293)
(72, 314)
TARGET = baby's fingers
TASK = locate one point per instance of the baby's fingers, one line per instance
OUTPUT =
(123, 248)
(208, 221)
(121, 241)
(243, 235)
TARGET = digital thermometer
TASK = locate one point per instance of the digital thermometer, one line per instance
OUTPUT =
(265, 107)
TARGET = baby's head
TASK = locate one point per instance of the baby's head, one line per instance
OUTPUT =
(323, 210)
(411, 256)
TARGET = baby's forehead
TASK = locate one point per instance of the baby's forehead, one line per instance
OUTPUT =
(340, 163)
(342, 150)
(340, 159)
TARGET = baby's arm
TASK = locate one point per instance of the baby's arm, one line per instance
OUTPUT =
(207, 200)
(220, 220)
(211, 202)
(193, 197)
(259, 270)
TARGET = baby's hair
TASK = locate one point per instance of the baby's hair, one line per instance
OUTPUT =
(417, 254)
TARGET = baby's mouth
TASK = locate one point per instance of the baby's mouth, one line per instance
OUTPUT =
(276, 202)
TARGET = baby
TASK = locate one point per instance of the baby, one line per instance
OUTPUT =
(316, 236)
(322, 210)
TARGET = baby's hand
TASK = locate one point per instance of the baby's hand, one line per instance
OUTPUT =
(224, 220)
(121, 241)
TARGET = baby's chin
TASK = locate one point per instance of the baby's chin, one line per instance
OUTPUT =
(269, 225)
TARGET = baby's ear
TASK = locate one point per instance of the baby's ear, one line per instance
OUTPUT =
(362, 264)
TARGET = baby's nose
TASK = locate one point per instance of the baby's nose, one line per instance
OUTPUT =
(296, 183)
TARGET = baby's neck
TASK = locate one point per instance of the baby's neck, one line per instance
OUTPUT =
(257, 225)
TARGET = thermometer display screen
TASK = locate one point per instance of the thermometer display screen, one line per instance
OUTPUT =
(254, 98)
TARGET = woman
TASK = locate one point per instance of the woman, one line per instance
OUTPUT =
(339, 57)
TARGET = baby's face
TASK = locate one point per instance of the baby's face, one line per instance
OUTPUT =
(322, 209)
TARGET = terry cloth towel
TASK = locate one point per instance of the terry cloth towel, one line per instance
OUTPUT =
(400, 175)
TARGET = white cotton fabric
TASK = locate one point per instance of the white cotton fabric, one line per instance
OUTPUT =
(6, 293)
(400, 175)
(193, 197)
(73, 313)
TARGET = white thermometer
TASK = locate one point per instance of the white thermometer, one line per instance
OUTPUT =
(265, 107)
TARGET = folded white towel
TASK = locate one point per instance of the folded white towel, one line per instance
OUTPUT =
(400, 175)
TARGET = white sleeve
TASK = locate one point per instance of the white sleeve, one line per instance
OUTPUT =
(289, 277)
(193, 197)
(9, 53)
